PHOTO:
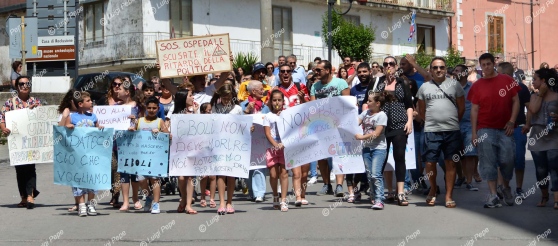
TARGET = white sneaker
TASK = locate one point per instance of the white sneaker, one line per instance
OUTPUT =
(332, 177)
(259, 199)
(155, 208)
(313, 180)
(82, 210)
(91, 210)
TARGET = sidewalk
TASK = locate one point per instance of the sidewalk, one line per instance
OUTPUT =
(4, 153)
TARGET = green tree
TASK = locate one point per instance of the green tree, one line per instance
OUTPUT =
(349, 39)
(453, 57)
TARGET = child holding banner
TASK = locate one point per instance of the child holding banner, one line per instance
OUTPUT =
(227, 105)
(184, 104)
(374, 147)
(83, 118)
(275, 156)
(154, 124)
(205, 108)
(65, 109)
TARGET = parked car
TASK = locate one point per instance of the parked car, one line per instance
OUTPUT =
(98, 84)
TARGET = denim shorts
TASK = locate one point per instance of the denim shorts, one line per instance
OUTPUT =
(496, 150)
(81, 191)
(126, 177)
(520, 148)
(448, 143)
(467, 136)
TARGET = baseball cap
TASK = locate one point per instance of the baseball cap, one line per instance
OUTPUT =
(257, 66)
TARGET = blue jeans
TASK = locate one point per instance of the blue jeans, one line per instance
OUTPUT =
(256, 183)
(546, 162)
(495, 150)
(520, 148)
(374, 162)
(313, 169)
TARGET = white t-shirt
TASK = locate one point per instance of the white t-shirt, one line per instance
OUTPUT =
(370, 122)
(270, 120)
(219, 109)
(205, 95)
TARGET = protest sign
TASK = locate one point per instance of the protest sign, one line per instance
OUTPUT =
(410, 155)
(30, 140)
(205, 144)
(260, 144)
(113, 116)
(194, 55)
(143, 153)
(320, 129)
(82, 158)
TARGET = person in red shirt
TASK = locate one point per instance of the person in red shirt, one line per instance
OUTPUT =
(348, 64)
(295, 93)
(495, 105)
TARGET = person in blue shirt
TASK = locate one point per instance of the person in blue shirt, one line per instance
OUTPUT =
(298, 74)
(281, 60)
(148, 91)
(409, 65)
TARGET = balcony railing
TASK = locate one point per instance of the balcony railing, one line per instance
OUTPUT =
(138, 46)
(441, 5)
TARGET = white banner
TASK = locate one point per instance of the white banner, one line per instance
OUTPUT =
(210, 145)
(113, 116)
(320, 129)
(31, 138)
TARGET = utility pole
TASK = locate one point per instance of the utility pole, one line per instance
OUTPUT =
(23, 51)
(330, 4)
(76, 41)
(266, 30)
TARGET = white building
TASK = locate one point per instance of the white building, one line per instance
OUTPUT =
(120, 35)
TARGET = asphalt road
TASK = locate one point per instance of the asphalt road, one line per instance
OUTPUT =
(326, 221)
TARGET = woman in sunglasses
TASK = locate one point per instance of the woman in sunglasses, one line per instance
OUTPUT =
(26, 175)
(400, 121)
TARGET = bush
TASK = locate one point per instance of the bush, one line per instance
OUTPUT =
(245, 61)
(348, 39)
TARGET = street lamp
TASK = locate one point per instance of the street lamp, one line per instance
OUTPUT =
(330, 8)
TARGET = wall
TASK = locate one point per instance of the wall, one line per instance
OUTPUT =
(517, 30)
(5, 61)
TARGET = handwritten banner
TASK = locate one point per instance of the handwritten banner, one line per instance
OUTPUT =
(82, 158)
(194, 55)
(320, 129)
(410, 157)
(260, 144)
(30, 140)
(113, 116)
(143, 153)
(217, 144)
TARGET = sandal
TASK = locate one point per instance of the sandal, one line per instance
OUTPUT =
(181, 208)
(390, 197)
(430, 200)
(284, 207)
(22, 204)
(304, 202)
(138, 206)
(212, 204)
(351, 198)
(191, 211)
(73, 209)
(556, 205)
(402, 200)
(230, 210)
(221, 211)
(276, 203)
(203, 203)
(450, 204)
(298, 203)
(124, 208)
(543, 202)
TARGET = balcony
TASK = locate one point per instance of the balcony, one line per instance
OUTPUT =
(133, 50)
(429, 7)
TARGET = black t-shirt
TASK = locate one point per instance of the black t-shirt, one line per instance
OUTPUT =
(524, 97)
(519, 75)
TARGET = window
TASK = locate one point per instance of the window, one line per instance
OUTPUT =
(495, 33)
(282, 19)
(355, 19)
(425, 39)
(180, 18)
(94, 31)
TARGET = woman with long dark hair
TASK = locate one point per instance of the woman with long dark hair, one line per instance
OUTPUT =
(16, 72)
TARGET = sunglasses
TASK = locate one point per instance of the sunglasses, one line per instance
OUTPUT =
(285, 71)
(318, 70)
(114, 84)
(292, 62)
(440, 67)
(389, 63)
(348, 60)
(21, 84)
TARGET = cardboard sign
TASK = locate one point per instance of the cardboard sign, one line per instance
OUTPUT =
(143, 153)
(113, 116)
(260, 144)
(194, 55)
(30, 140)
(82, 158)
(217, 144)
(321, 129)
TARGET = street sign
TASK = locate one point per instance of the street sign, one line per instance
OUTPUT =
(56, 41)
(55, 53)
(14, 32)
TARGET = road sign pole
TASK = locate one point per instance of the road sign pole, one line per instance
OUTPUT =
(23, 64)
